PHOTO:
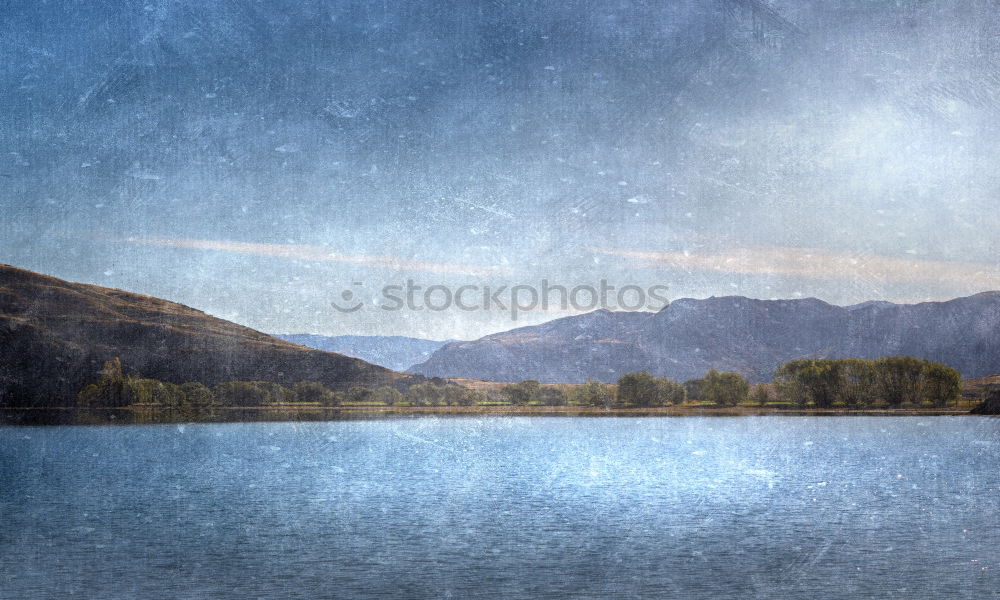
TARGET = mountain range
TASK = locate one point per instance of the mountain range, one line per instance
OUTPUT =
(751, 337)
(55, 336)
(391, 351)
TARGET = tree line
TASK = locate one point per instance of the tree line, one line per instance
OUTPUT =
(115, 389)
(891, 381)
(807, 383)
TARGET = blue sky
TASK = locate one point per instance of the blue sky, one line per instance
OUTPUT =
(255, 159)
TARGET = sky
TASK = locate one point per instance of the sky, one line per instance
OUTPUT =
(262, 160)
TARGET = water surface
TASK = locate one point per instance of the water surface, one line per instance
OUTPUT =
(767, 507)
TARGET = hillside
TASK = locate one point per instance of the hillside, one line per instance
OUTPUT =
(55, 336)
(391, 351)
(752, 337)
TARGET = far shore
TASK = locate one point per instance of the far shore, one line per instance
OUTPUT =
(146, 415)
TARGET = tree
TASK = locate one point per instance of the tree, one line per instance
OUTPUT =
(787, 383)
(524, 393)
(637, 389)
(111, 385)
(858, 382)
(940, 384)
(151, 391)
(821, 379)
(425, 394)
(760, 394)
(240, 393)
(388, 395)
(552, 396)
(112, 370)
(898, 379)
(471, 397)
(593, 393)
(724, 389)
(533, 389)
(197, 394)
(669, 391)
(89, 396)
(360, 395)
(312, 392)
(693, 389)
(814, 380)
(451, 395)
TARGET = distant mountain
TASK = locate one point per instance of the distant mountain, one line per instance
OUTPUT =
(393, 352)
(688, 337)
(55, 335)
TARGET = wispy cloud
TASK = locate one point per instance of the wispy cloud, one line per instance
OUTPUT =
(821, 264)
(321, 254)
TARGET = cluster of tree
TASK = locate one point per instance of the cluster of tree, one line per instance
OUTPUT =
(430, 394)
(719, 388)
(855, 383)
(642, 390)
(820, 383)
(116, 388)
(593, 393)
(530, 391)
(263, 393)
(724, 389)
(633, 390)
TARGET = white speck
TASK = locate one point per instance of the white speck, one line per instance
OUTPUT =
(287, 148)
(144, 175)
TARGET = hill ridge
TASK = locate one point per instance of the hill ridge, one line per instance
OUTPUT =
(56, 334)
(751, 336)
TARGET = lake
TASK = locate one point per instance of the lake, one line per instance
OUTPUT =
(531, 507)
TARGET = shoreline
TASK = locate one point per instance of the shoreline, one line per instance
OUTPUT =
(47, 416)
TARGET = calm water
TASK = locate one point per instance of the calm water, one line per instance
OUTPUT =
(505, 507)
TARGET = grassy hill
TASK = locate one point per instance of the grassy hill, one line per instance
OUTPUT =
(55, 335)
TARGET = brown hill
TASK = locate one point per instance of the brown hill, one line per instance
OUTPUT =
(976, 388)
(55, 335)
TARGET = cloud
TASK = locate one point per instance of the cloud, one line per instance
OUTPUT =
(320, 254)
(815, 263)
